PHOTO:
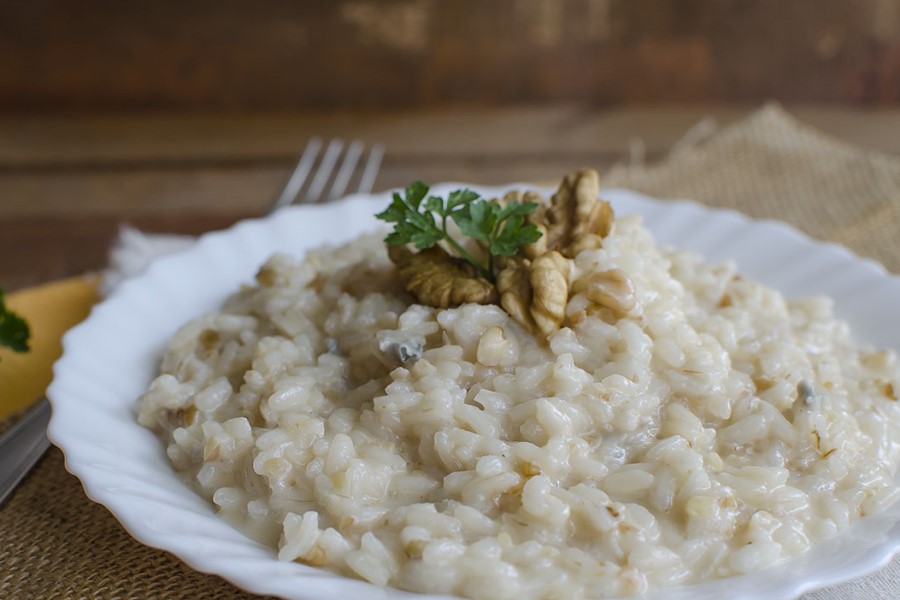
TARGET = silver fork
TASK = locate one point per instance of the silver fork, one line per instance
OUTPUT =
(350, 160)
(24, 443)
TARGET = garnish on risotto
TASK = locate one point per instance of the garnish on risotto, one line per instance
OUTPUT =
(14, 330)
(577, 413)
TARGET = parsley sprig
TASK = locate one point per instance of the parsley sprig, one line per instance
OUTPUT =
(422, 220)
(14, 331)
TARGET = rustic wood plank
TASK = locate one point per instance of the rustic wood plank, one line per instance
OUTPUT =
(243, 55)
(36, 249)
(47, 143)
(243, 188)
(90, 140)
(139, 191)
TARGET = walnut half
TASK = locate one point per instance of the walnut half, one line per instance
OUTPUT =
(535, 293)
(514, 285)
(575, 219)
(550, 285)
(437, 279)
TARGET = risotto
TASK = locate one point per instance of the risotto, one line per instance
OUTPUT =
(715, 428)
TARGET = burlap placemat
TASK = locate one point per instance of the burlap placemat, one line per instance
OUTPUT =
(55, 543)
(771, 166)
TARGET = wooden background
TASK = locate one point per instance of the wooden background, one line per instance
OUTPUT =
(188, 115)
(278, 55)
(67, 183)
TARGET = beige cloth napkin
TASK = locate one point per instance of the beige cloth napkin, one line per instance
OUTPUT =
(54, 543)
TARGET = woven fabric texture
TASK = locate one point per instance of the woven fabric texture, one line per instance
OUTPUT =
(771, 166)
(55, 543)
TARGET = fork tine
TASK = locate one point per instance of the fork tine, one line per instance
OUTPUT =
(346, 170)
(298, 177)
(314, 193)
(371, 170)
(349, 166)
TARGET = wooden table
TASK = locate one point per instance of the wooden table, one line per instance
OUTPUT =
(68, 182)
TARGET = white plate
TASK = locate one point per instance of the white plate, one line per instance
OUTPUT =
(109, 360)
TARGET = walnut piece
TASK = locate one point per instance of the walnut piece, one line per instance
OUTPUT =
(514, 285)
(437, 279)
(520, 196)
(575, 219)
(535, 293)
(612, 289)
(493, 347)
(550, 291)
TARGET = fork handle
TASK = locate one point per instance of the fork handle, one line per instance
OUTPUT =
(22, 446)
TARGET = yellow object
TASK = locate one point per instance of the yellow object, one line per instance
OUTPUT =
(50, 310)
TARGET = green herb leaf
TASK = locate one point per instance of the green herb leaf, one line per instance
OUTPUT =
(424, 224)
(514, 235)
(414, 194)
(402, 234)
(14, 331)
(394, 213)
(477, 220)
(426, 238)
(459, 198)
(516, 208)
(435, 204)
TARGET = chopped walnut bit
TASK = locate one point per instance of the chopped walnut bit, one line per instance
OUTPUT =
(881, 359)
(266, 276)
(510, 500)
(436, 279)
(612, 289)
(314, 558)
(493, 347)
(208, 339)
(576, 218)
(529, 469)
(762, 383)
(182, 417)
(318, 282)
(725, 301)
(889, 391)
(414, 548)
(188, 416)
(207, 342)
(514, 285)
(550, 291)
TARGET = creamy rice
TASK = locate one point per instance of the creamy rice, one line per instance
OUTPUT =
(715, 430)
